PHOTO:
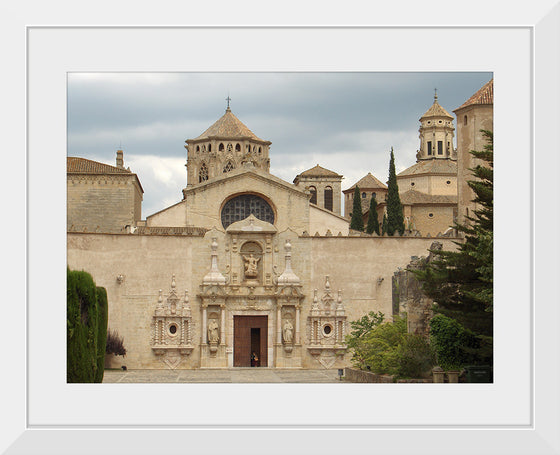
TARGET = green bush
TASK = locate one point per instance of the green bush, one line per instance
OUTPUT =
(82, 322)
(101, 332)
(387, 348)
(454, 345)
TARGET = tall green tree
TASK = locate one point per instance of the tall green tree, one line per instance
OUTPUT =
(461, 281)
(395, 218)
(384, 224)
(373, 221)
(357, 221)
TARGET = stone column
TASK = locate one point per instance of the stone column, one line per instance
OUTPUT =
(278, 324)
(297, 325)
(223, 326)
(204, 325)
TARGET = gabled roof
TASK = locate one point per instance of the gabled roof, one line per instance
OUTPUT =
(75, 165)
(228, 126)
(369, 182)
(436, 111)
(484, 96)
(317, 171)
(411, 197)
(432, 166)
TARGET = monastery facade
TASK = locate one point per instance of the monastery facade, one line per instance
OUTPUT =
(248, 266)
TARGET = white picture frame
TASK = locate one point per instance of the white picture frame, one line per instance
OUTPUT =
(42, 46)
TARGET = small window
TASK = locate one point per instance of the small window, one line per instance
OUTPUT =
(237, 148)
(203, 173)
(327, 329)
(198, 148)
(229, 147)
(448, 149)
(440, 147)
(448, 182)
(465, 120)
(260, 151)
(429, 122)
(228, 167)
(431, 215)
(328, 198)
(373, 195)
(439, 121)
(209, 147)
(429, 147)
(221, 147)
(313, 191)
(411, 183)
(172, 329)
(364, 195)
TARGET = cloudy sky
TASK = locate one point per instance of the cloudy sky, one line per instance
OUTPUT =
(346, 122)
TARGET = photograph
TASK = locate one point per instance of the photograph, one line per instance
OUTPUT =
(280, 227)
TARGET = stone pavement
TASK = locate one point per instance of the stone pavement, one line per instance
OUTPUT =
(262, 375)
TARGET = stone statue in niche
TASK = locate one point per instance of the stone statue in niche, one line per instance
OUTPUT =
(251, 262)
(213, 331)
(287, 332)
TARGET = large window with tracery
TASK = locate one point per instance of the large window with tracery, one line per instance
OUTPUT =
(328, 197)
(240, 207)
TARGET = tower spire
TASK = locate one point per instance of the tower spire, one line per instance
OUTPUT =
(228, 99)
(435, 94)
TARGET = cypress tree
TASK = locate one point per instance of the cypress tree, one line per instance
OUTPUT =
(384, 225)
(373, 221)
(395, 218)
(101, 333)
(357, 221)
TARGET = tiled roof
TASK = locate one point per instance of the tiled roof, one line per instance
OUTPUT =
(318, 171)
(484, 96)
(417, 197)
(433, 166)
(75, 165)
(228, 126)
(369, 182)
(436, 111)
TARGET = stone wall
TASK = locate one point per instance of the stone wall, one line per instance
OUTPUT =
(102, 203)
(354, 375)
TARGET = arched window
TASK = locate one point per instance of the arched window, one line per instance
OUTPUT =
(198, 148)
(237, 148)
(221, 147)
(229, 147)
(328, 198)
(465, 120)
(229, 167)
(203, 148)
(313, 191)
(203, 173)
(364, 195)
(240, 207)
(209, 147)
(260, 151)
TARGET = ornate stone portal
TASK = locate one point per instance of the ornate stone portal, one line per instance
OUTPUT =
(326, 327)
(172, 327)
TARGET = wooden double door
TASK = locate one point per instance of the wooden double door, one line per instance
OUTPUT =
(250, 335)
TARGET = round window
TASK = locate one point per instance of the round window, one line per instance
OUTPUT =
(240, 207)
(327, 329)
(411, 183)
(173, 329)
(448, 182)
(431, 215)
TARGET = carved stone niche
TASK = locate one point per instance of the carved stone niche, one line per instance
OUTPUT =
(172, 327)
(326, 327)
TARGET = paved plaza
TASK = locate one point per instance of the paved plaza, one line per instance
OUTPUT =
(243, 375)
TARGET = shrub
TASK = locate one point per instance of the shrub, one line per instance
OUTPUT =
(115, 343)
(454, 345)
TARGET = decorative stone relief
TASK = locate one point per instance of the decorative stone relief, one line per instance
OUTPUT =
(326, 326)
(172, 327)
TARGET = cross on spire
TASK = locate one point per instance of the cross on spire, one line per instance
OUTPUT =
(228, 99)
(435, 94)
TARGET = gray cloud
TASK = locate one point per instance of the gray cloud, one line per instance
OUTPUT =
(346, 122)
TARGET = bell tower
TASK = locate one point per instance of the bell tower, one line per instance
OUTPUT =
(436, 134)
